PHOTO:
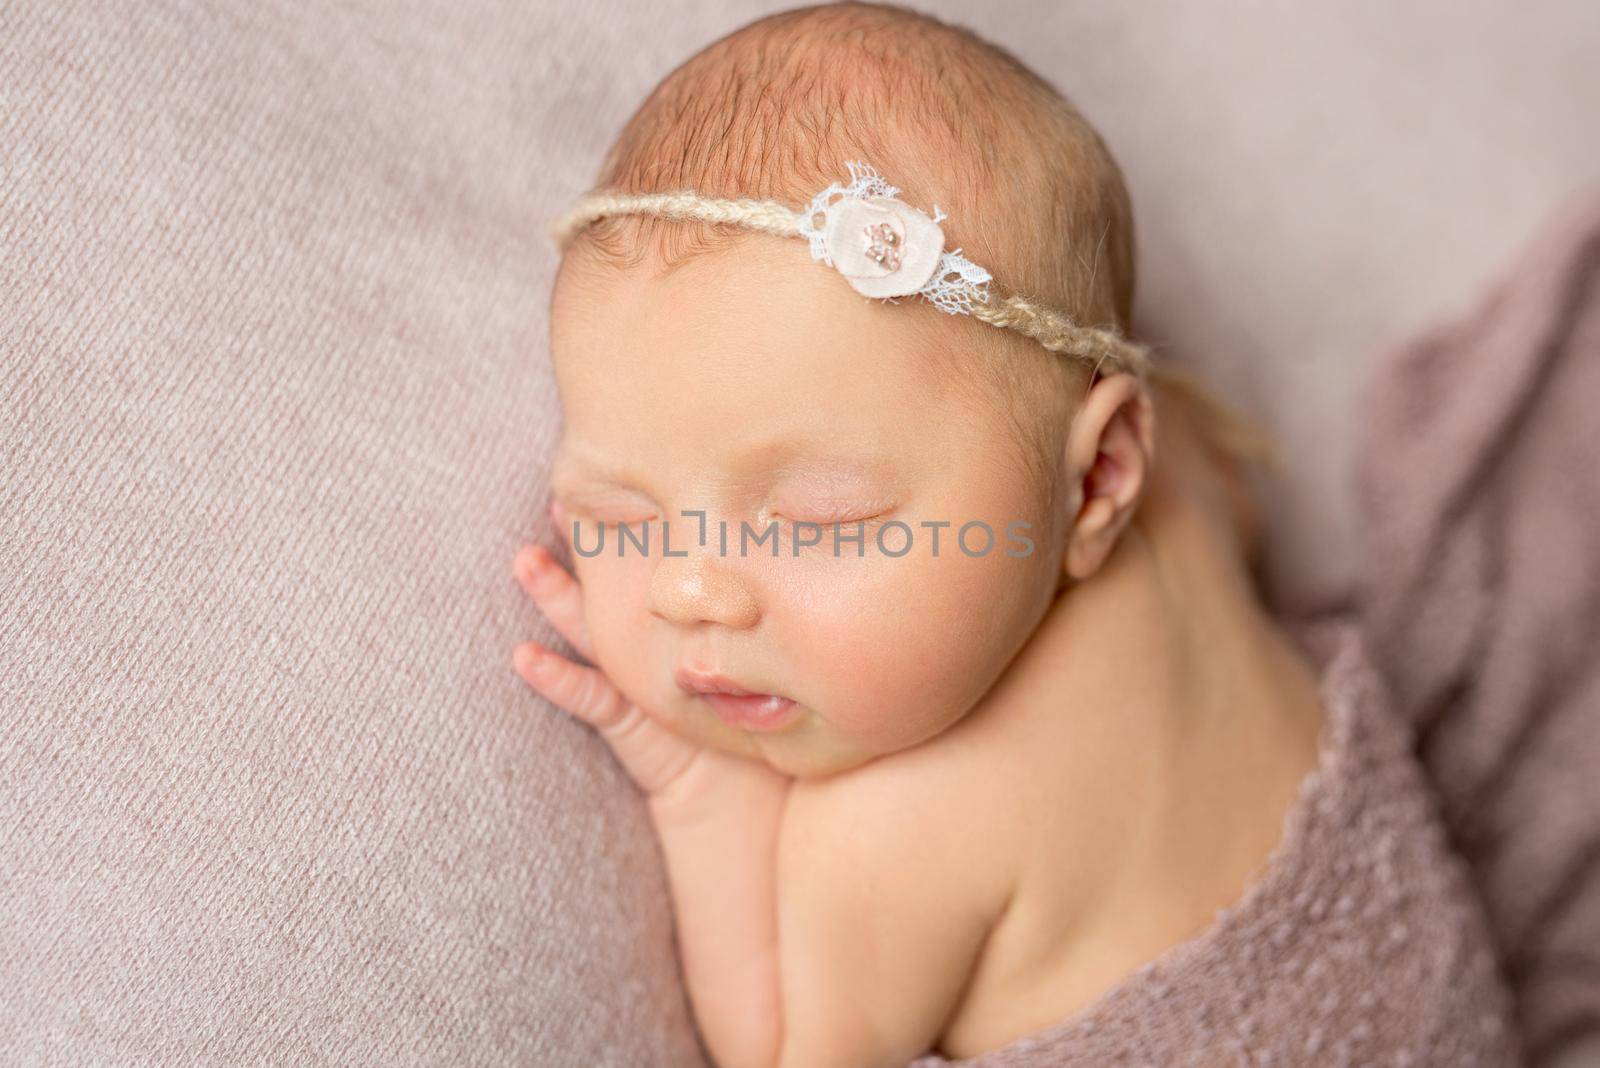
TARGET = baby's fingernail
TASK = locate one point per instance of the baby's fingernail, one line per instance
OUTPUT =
(529, 657)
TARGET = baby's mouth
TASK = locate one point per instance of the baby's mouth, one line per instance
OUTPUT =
(755, 712)
(737, 706)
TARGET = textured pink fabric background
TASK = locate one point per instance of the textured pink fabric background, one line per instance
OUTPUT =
(274, 409)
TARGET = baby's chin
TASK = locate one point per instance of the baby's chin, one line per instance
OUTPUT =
(813, 753)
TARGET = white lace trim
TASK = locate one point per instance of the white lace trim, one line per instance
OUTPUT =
(956, 283)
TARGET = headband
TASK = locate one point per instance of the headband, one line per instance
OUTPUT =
(885, 249)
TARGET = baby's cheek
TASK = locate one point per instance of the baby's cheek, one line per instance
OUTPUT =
(907, 654)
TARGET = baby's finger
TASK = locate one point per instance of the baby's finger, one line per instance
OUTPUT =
(652, 755)
(563, 523)
(581, 691)
(558, 595)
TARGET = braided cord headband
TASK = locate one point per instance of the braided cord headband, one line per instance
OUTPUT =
(884, 247)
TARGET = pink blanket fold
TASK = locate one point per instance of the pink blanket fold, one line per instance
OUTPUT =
(1479, 480)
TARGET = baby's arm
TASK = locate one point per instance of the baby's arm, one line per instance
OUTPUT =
(882, 914)
(719, 840)
(845, 936)
(819, 923)
(836, 925)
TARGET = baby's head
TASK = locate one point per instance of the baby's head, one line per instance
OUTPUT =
(708, 368)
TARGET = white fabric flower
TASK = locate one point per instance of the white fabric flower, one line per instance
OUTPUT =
(847, 222)
(884, 247)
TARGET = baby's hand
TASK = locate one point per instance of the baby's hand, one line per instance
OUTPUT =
(683, 782)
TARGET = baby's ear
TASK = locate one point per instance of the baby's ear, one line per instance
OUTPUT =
(1110, 450)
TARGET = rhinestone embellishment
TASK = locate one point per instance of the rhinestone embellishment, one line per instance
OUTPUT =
(881, 242)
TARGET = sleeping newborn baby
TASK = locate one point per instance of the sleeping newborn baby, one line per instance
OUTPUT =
(921, 607)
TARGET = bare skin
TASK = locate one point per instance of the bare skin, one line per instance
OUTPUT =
(908, 874)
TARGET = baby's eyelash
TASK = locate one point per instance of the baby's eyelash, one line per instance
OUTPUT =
(841, 520)
(847, 533)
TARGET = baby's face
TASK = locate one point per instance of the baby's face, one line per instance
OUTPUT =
(755, 385)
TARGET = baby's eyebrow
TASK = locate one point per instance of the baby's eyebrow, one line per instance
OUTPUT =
(785, 456)
(569, 465)
(844, 477)
(764, 463)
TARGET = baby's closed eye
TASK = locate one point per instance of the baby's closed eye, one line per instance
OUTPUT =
(835, 508)
(817, 532)
(828, 517)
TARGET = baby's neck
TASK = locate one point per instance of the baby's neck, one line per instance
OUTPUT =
(1166, 658)
(1175, 596)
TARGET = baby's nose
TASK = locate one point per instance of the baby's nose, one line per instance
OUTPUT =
(698, 588)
